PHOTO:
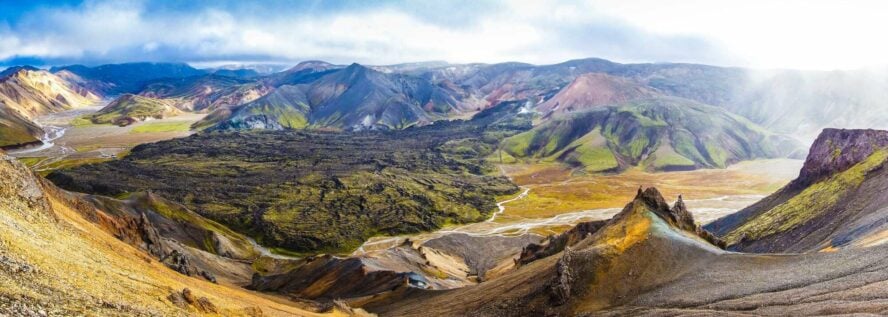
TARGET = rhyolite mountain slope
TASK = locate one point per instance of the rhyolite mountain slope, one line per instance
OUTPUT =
(112, 79)
(838, 200)
(594, 90)
(351, 98)
(128, 109)
(661, 134)
(205, 93)
(62, 255)
(27, 92)
(286, 107)
(320, 191)
(651, 259)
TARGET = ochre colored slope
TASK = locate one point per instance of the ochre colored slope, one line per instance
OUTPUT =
(52, 259)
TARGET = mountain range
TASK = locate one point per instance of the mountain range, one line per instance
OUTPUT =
(142, 253)
(320, 95)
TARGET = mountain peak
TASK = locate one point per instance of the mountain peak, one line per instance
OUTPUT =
(16, 70)
(678, 217)
(836, 150)
(592, 90)
(311, 65)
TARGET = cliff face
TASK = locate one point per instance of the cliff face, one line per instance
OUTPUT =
(837, 201)
(836, 150)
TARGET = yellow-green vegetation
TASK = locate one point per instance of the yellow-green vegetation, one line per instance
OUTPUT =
(85, 121)
(156, 127)
(45, 169)
(595, 159)
(665, 158)
(180, 213)
(31, 161)
(518, 143)
(14, 134)
(671, 159)
(287, 116)
(554, 189)
(87, 147)
(698, 136)
(811, 202)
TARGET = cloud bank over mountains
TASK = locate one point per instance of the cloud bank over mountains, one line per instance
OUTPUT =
(727, 33)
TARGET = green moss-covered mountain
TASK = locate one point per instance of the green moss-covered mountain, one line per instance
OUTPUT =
(284, 108)
(317, 191)
(660, 134)
(130, 108)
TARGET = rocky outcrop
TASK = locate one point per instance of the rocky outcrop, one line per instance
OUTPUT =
(186, 298)
(556, 244)
(836, 150)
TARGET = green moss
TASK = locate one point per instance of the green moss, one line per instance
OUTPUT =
(155, 127)
(672, 159)
(133, 106)
(717, 154)
(642, 119)
(594, 159)
(14, 135)
(69, 163)
(811, 202)
(517, 145)
(31, 161)
(84, 121)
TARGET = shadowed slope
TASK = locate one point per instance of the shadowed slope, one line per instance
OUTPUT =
(837, 201)
(594, 90)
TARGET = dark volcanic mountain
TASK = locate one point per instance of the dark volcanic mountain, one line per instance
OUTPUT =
(129, 77)
(838, 200)
(665, 133)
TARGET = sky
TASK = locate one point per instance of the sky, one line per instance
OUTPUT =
(810, 34)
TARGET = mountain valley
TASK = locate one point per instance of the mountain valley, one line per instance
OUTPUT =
(440, 189)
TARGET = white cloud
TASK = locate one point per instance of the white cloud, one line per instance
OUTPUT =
(791, 34)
